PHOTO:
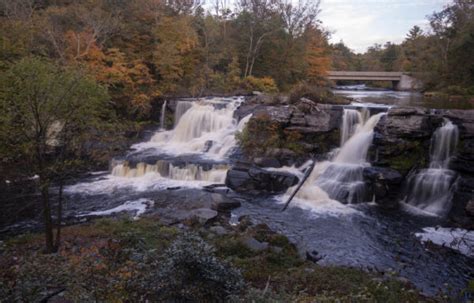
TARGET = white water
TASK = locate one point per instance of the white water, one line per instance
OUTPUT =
(341, 179)
(163, 115)
(181, 108)
(205, 128)
(430, 189)
(455, 238)
(138, 206)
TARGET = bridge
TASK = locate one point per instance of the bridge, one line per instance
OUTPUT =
(400, 80)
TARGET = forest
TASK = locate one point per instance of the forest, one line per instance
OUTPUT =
(143, 50)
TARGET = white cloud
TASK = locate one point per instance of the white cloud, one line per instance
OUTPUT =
(361, 23)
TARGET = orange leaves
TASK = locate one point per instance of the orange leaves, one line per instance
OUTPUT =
(317, 55)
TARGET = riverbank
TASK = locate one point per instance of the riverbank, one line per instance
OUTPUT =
(123, 259)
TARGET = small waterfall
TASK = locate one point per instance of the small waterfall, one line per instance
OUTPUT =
(443, 145)
(350, 119)
(181, 108)
(341, 179)
(163, 115)
(431, 189)
(205, 127)
(189, 172)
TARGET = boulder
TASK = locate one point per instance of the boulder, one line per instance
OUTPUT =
(219, 230)
(462, 209)
(253, 244)
(267, 162)
(384, 184)
(253, 180)
(222, 203)
(203, 215)
(408, 123)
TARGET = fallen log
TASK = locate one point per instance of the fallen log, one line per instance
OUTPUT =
(306, 175)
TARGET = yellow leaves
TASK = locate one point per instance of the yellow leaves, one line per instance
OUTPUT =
(174, 57)
(317, 56)
(265, 84)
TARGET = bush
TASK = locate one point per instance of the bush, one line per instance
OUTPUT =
(265, 84)
(456, 90)
(191, 272)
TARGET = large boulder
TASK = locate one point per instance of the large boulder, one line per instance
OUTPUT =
(384, 184)
(253, 180)
(462, 210)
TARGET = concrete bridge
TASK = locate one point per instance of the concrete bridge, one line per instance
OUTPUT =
(400, 80)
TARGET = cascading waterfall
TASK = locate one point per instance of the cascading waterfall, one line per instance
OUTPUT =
(341, 179)
(350, 119)
(205, 128)
(181, 108)
(163, 115)
(431, 189)
(189, 172)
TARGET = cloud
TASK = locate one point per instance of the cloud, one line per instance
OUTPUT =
(361, 23)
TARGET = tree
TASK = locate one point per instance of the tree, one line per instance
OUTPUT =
(317, 55)
(174, 56)
(47, 112)
(257, 17)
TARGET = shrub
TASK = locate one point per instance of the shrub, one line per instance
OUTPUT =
(191, 272)
(455, 90)
(265, 84)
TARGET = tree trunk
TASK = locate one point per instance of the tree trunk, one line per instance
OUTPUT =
(59, 215)
(48, 224)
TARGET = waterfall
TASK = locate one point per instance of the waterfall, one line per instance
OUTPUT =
(163, 115)
(205, 131)
(431, 189)
(181, 108)
(443, 145)
(350, 119)
(189, 172)
(207, 127)
(341, 179)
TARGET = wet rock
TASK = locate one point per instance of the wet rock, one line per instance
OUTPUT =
(313, 256)
(222, 203)
(470, 208)
(464, 119)
(267, 162)
(384, 184)
(253, 180)
(203, 215)
(219, 230)
(462, 202)
(253, 244)
(408, 122)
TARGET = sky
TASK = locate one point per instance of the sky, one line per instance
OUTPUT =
(362, 23)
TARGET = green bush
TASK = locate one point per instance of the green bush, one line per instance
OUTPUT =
(191, 272)
(265, 84)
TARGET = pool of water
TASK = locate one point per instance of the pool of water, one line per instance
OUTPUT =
(364, 95)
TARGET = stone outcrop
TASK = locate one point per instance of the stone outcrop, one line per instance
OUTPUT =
(384, 184)
(402, 139)
(245, 178)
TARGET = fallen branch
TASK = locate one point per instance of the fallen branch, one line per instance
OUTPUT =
(307, 173)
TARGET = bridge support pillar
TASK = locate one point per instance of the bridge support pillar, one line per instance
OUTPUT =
(407, 83)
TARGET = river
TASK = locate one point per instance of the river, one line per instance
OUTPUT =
(174, 166)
